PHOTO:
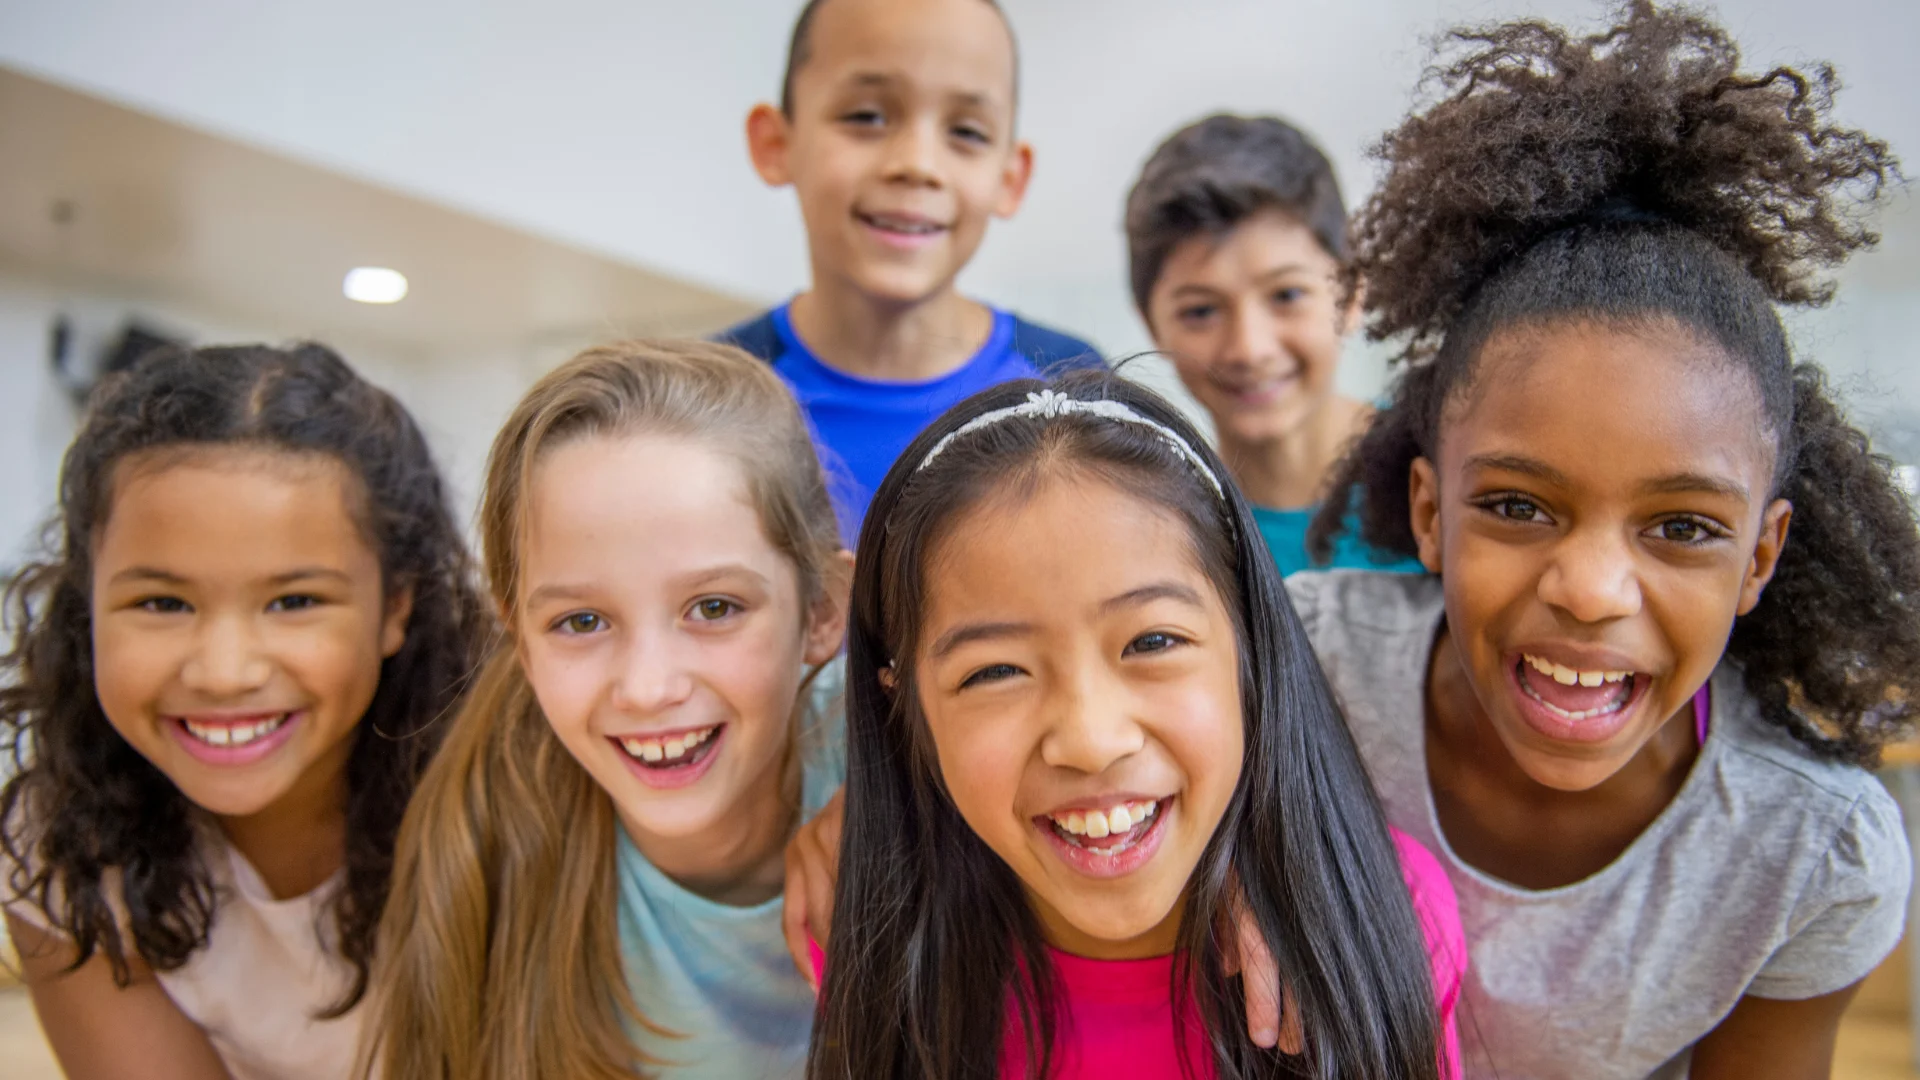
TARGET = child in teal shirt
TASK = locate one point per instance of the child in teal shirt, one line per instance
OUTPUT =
(1236, 236)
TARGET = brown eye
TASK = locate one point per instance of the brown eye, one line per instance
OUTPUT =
(582, 622)
(713, 609)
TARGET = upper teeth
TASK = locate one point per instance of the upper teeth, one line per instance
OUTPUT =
(233, 734)
(1098, 824)
(659, 749)
(1567, 676)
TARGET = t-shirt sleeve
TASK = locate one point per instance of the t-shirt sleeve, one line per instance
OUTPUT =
(1438, 908)
(1852, 910)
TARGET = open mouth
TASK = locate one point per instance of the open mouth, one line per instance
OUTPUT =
(236, 740)
(665, 753)
(1575, 695)
(1106, 833)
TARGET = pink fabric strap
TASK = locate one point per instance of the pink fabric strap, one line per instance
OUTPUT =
(1702, 703)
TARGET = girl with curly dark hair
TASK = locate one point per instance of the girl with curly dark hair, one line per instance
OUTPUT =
(1675, 604)
(223, 685)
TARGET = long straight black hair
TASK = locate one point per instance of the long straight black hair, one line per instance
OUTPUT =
(933, 937)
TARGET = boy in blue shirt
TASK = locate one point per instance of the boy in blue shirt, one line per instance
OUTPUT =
(896, 130)
(1237, 238)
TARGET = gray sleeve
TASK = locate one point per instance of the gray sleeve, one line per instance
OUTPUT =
(1303, 589)
(1852, 911)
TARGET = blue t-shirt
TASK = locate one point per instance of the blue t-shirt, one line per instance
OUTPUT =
(1286, 535)
(861, 425)
(720, 976)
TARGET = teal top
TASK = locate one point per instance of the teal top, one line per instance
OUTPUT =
(1286, 533)
(720, 976)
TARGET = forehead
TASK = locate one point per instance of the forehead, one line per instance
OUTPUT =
(1260, 244)
(959, 47)
(1614, 405)
(636, 504)
(1055, 553)
(233, 511)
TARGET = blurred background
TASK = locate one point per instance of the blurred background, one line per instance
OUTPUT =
(549, 175)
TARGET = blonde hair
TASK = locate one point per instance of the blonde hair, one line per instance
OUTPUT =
(499, 953)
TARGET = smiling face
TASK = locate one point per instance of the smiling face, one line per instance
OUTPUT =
(1078, 675)
(901, 143)
(663, 633)
(1596, 547)
(239, 624)
(1254, 324)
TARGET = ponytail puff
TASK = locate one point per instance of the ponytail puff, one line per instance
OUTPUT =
(1372, 481)
(1832, 651)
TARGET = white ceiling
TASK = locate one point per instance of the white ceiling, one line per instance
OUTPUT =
(615, 124)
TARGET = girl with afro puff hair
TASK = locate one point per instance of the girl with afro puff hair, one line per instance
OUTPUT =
(1672, 610)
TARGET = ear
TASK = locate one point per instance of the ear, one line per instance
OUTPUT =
(827, 623)
(769, 136)
(888, 680)
(393, 622)
(1014, 177)
(1423, 507)
(1766, 553)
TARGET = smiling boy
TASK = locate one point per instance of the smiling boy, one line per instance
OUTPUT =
(896, 131)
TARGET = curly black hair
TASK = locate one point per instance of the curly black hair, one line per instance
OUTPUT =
(82, 800)
(1638, 176)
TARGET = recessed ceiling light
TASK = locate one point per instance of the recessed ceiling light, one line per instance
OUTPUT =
(375, 285)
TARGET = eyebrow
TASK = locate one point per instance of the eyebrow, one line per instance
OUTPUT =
(968, 633)
(1525, 466)
(881, 80)
(1263, 277)
(1147, 594)
(698, 579)
(1680, 483)
(167, 577)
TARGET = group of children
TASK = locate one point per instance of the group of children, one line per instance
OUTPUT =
(890, 690)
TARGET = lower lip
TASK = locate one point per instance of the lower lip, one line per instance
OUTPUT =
(1262, 396)
(678, 776)
(1111, 866)
(232, 756)
(1551, 724)
(901, 241)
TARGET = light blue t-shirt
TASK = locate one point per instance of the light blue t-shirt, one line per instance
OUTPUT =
(1286, 535)
(720, 975)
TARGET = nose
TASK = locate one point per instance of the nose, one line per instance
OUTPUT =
(1253, 337)
(653, 676)
(1592, 577)
(913, 154)
(1091, 728)
(227, 660)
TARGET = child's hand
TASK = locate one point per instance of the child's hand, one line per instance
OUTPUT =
(813, 864)
(1260, 981)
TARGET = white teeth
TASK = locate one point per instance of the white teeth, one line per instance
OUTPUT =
(668, 749)
(233, 734)
(1098, 824)
(1567, 676)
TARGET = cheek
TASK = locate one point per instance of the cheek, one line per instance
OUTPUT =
(565, 685)
(981, 765)
(1205, 734)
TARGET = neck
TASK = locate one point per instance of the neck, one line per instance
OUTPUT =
(300, 840)
(741, 860)
(1289, 471)
(900, 342)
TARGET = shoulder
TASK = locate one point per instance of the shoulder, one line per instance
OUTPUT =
(1336, 603)
(1051, 351)
(1778, 769)
(758, 336)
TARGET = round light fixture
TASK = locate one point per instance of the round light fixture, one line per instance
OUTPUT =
(375, 285)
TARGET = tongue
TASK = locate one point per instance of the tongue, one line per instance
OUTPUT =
(1574, 698)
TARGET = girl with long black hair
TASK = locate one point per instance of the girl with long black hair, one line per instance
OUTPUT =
(1087, 739)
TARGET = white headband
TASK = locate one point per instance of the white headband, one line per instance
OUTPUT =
(1047, 404)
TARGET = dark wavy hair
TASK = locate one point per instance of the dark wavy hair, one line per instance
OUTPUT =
(931, 928)
(1215, 173)
(1638, 177)
(82, 801)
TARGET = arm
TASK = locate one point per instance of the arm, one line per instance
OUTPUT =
(1764, 1039)
(813, 865)
(100, 1031)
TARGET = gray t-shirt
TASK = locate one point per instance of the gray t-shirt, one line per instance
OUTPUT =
(1772, 873)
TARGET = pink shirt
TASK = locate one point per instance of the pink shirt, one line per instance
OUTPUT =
(1119, 1013)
